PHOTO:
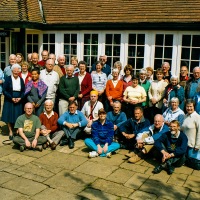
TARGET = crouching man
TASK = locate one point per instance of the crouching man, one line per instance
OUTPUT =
(28, 126)
(173, 146)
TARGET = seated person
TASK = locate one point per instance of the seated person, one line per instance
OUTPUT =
(130, 128)
(49, 126)
(116, 116)
(73, 122)
(102, 137)
(173, 146)
(147, 137)
(28, 126)
(173, 112)
(90, 110)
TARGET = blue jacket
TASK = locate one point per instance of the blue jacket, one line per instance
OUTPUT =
(116, 119)
(102, 134)
(131, 126)
(177, 146)
(77, 117)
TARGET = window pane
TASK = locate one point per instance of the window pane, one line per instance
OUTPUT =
(131, 51)
(66, 49)
(52, 48)
(186, 40)
(196, 41)
(35, 48)
(140, 51)
(67, 38)
(115, 59)
(74, 38)
(139, 63)
(158, 52)
(116, 51)
(193, 65)
(35, 38)
(132, 39)
(108, 38)
(159, 39)
(185, 53)
(73, 50)
(93, 59)
(157, 63)
(168, 40)
(195, 54)
(3, 47)
(141, 39)
(87, 59)
(52, 38)
(29, 38)
(87, 38)
(131, 61)
(29, 48)
(117, 38)
(3, 39)
(45, 38)
(109, 50)
(94, 50)
(94, 38)
(3, 65)
(168, 52)
(3, 57)
(87, 50)
(45, 46)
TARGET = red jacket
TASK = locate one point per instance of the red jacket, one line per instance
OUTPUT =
(26, 80)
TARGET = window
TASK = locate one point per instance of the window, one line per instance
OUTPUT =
(163, 49)
(70, 46)
(32, 43)
(90, 48)
(136, 43)
(49, 42)
(190, 54)
(2, 52)
(112, 48)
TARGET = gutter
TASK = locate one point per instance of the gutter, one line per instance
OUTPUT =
(42, 11)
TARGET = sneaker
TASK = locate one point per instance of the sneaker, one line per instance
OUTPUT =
(21, 148)
(39, 148)
(131, 154)
(53, 146)
(93, 154)
(109, 155)
(135, 158)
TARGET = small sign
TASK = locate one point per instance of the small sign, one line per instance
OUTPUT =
(4, 33)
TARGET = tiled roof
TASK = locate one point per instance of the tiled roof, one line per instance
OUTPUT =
(119, 11)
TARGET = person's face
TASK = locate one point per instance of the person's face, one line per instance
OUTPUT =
(12, 60)
(15, 72)
(102, 116)
(24, 68)
(35, 58)
(61, 61)
(138, 114)
(44, 55)
(116, 108)
(142, 76)
(48, 106)
(149, 74)
(159, 76)
(184, 71)
(174, 105)
(72, 108)
(29, 57)
(127, 72)
(118, 67)
(82, 68)
(74, 63)
(28, 109)
(98, 67)
(115, 75)
(52, 57)
(174, 128)
(93, 97)
(158, 122)
(103, 60)
(174, 81)
(49, 65)
(196, 73)
(190, 108)
(18, 58)
(69, 71)
(134, 82)
(165, 68)
(35, 76)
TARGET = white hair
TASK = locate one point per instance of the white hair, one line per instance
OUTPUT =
(143, 71)
(16, 66)
(174, 77)
(48, 101)
(61, 56)
(115, 70)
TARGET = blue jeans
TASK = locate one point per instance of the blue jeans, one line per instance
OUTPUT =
(112, 147)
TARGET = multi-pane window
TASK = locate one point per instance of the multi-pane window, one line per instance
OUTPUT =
(32, 43)
(190, 54)
(70, 46)
(163, 49)
(112, 48)
(2, 52)
(136, 44)
(90, 48)
(49, 42)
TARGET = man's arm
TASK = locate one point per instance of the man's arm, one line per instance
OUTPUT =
(21, 133)
(37, 134)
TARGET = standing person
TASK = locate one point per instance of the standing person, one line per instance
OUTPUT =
(29, 58)
(28, 126)
(50, 78)
(191, 127)
(85, 83)
(13, 90)
(117, 65)
(127, 78)
(68, 89)
(149, 74)
(99, 80)
(156, 95)
(74, 62)
(73, 122)
(90, 110)
(45, 56)
(36, 91)
(1, 85)
(172, 147)
(53, 57)
(166, 73)
(60, 68)
(12, 60)
(184, 76)
(102, 137)
(34, 62)
(25, 74)
(19, 58)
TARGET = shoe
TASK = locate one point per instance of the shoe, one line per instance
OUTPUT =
(123, 146)
(170, 169)
(131, 154)
(39, 148)
(158, 169)
(109, 155)
(53, 146)
(63, 142)
(136, 158)
(21, 148)
(93, 154)
(44, 146)
(71, 143)
(10, 137)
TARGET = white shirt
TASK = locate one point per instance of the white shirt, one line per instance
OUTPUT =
(16, 83)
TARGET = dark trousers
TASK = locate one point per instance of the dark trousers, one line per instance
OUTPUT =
(72, 132)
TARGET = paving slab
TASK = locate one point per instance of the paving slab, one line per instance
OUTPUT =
(67, 150)
(112, 188)
(70, 181)
(162, 176)
(120, 175)
(82, 151)
(183, 170)
(5, 177)
(34, 154)
(176, 179)
(193, 182)
(3, 165)
(140, 195)
(6, 150)
(91, 193)
(196, 173)
(96, 169)
(134, 167)
(24, 186)
(193, 196)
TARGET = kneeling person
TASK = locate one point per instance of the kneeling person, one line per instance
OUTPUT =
(28, 126)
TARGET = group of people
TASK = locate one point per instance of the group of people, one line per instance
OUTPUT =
(111, 109)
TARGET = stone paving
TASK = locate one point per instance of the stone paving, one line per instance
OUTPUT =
(70, 174)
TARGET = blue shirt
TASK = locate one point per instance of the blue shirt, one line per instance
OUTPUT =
(116, 119)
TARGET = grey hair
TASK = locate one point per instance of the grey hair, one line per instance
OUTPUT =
(117, 63)
(174, 77)
(174, 99)
(143, 71)
(48, 101)
(16, 66)
(197, 67)
(61, 56)
(165, 63)
(12, 55)
(115, 70)
(68, 66)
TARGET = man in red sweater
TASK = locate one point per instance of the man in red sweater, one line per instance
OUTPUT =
(49, 126)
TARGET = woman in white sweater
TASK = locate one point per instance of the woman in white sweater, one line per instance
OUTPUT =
(191, 127)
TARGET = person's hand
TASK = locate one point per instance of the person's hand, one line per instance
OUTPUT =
(37, 105)
(89, 123)
(110, 97)
(14, 100)
(140, 143)
(115, 127)
(133, 101)
(196, 149)
(100, 92)
(154, 101)
(80, 96)
(99, 149)
(105, 148)
(166, 155)
(29, 78)
(27, 143)
(18, 99)
(164, 100)
(71, 98)
(130, 136)
(34, 143)
(111, 103)
(33, 104)
(166, 80)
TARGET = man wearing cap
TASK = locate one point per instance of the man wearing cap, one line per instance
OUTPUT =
(102, 137)
(90, 110)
